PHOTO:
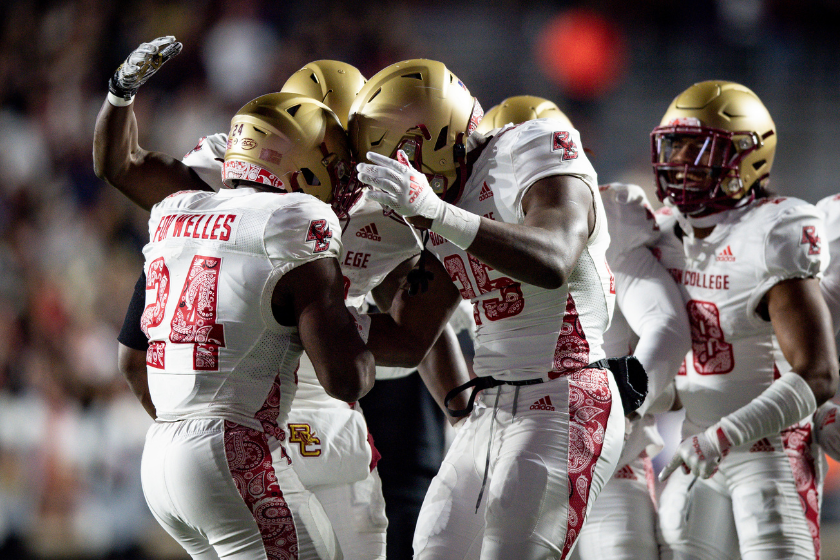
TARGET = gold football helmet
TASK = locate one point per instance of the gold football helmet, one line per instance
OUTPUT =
(521, 108)
(422, 108)
(291, 142)
(333, 83)
(714, 146)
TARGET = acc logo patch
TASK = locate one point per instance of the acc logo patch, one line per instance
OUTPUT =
(248, 144)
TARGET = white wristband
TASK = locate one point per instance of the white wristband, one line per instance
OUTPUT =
(458, 226)
(119, 101)
(787, 401)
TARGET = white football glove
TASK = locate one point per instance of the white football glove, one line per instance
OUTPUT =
(394, 183)
(827, 429)
(700, 454)
(140, 65)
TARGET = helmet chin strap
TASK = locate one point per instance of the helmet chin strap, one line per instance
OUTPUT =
(711, 220)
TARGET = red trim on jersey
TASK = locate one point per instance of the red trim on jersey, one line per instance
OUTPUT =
(650, 479)
(797, 441)
(572, 350)
(249, 461)
(590, 402)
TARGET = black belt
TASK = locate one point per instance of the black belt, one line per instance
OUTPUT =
(629, 374)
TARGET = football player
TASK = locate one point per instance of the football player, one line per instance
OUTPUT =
(327, 438)
(649, 321)
(748, 265)
(516, 218)
(241, 282)
(826, 421)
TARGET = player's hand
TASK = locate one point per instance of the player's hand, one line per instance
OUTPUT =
(827, 429)
(394, 183)
(700, 454)
(141, 64)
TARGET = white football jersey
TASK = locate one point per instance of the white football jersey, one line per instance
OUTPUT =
(374, 242)
(830, 284)
(723, 279)
(213, 259)
(523, 331)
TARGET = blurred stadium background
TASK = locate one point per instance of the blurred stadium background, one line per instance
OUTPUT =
(71, 433)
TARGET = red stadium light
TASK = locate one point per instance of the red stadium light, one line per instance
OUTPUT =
(581, 52)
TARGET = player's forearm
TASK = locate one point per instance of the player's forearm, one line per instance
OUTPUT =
(653, 306)
(444, 369)
(132, 364)
(661, 351)
(787, 401)
(526, 253)
(399, 346)
(114, 142)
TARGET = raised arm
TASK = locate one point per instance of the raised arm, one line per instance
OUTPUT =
(144, 177)
(559, 216)
(312, 297)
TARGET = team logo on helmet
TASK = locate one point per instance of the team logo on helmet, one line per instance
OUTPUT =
(685, 121)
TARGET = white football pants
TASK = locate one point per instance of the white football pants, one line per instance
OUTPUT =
(552, 447)
(213, 486)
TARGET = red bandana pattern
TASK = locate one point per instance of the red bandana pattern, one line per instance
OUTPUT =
(590, 402)
(572, 350)
(797, 441)
(249, 461)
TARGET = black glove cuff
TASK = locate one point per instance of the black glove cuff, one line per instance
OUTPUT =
(114, 87)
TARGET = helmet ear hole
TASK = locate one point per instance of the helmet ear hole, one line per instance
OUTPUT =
(293, 110)
(310, 177)
(441, 139)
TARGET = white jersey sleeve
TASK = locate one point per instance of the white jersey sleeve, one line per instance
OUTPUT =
(830, 284)
(207, 157)
(792, 249)
(652, 305)
(630, 219)
(537, 149)
(301, 232)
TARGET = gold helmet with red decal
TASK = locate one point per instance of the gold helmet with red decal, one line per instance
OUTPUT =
(714, 147)
(288, 141)
(421, 107)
